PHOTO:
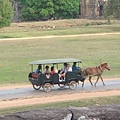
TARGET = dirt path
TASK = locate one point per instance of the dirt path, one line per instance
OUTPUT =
(55, 36)
(55, 98)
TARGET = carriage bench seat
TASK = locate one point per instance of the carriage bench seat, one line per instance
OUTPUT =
(33, 75)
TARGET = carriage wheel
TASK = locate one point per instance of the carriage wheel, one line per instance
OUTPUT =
(72, 85)
(36, 87)
(47, 87)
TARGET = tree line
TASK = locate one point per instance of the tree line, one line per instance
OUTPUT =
(35, 10)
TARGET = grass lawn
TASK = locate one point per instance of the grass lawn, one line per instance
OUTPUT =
(16, 55)
(58, 27)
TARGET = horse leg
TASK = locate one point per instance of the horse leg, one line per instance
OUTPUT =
(90, 80)
(102, 80)
(96, 80)
(82, 84)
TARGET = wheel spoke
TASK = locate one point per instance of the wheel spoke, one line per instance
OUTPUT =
(47, 87)
(72, 85)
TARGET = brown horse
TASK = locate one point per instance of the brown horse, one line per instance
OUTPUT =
(95, 71)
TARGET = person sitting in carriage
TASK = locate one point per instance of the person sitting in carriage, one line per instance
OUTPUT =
(47, 72)
(36, 73)
(69, 68)
(38, 70)
(75, 68)
(52, 70)
(63, 71)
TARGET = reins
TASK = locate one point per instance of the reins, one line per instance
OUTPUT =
(100, 66)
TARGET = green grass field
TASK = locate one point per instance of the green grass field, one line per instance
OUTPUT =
(16, 55)
(58, 27)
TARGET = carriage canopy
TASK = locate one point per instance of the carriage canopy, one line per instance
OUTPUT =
(54, 61)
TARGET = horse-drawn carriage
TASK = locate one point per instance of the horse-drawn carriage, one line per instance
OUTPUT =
(41, 80)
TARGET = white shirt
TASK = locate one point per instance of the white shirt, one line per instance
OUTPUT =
(64, 69)
(46, 72)
(69, 69)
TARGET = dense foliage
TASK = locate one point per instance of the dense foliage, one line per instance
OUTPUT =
(113, 9)
(47, 9)
(66, 8)
(5, 13)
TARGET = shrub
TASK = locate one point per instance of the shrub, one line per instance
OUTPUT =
(5, 13)
(87, 24)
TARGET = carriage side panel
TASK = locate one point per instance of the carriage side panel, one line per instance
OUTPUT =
(71, 76)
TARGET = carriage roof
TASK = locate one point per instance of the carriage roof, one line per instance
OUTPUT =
(54, 61)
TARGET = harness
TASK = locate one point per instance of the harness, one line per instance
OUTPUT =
(99, 68)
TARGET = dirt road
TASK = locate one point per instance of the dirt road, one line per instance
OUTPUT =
(11, 96)
(55, 36)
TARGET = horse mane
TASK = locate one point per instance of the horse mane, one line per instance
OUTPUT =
(103, 64)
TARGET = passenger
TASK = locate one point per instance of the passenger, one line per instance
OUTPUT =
(52, 70)
(63, 71)
(75, 68)
(55, 71)
(47, 72)
(38, 70)
(69, 68)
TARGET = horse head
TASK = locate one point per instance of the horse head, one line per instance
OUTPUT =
(106, 66)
